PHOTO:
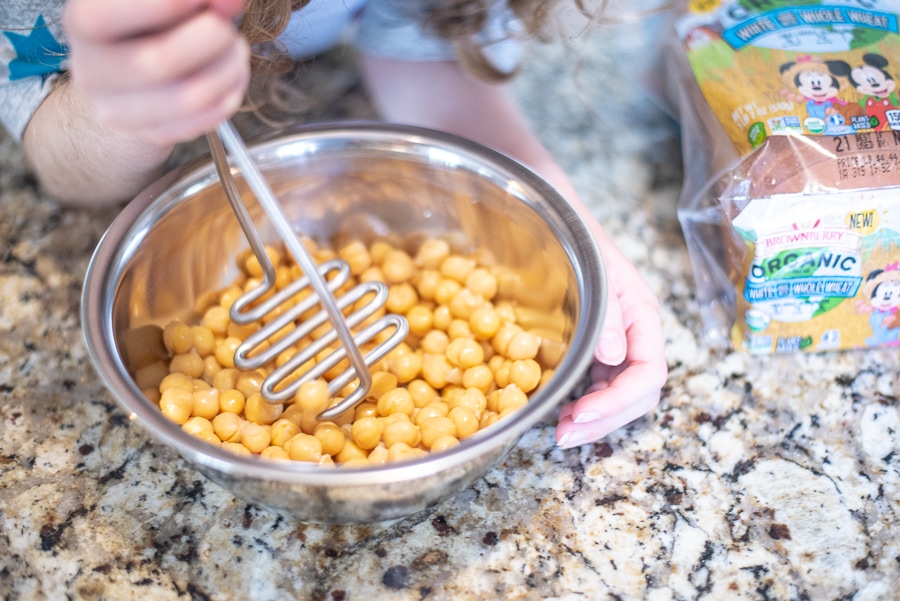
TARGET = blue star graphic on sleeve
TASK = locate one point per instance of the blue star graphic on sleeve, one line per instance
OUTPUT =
(38, 54)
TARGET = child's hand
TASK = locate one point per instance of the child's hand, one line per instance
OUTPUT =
(158, 70)
(630, 366)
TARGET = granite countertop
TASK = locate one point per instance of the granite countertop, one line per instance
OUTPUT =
(755, 478)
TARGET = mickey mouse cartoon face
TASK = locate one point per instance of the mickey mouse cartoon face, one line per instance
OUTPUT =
(871, 79)
(812, 78)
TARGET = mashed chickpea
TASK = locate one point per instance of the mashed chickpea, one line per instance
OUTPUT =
(465, 364)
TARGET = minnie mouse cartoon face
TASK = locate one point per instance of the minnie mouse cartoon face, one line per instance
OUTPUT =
(886, 295)
(870, 78)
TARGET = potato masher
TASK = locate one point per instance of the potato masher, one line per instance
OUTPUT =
(323, 280)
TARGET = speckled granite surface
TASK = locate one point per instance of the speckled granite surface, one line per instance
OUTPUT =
(756, 478)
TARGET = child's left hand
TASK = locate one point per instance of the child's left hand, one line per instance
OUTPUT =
(629, 368)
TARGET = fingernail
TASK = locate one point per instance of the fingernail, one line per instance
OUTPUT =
(571, 439)
(585, 416)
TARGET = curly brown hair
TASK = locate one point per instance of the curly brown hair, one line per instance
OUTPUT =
(458, 21)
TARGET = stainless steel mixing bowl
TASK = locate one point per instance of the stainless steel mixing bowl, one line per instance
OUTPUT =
(177, 242)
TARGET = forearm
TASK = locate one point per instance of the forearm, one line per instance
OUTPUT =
(80, 161)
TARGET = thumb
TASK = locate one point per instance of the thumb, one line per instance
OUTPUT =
(611, 347)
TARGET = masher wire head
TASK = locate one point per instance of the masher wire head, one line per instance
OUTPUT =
(261, 347)
(322, 293)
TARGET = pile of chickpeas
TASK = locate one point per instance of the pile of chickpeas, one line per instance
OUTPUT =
(465, 364)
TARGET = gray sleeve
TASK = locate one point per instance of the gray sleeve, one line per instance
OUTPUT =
(32, 56)
(393, 29)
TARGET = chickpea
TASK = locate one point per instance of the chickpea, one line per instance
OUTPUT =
(379, 251)
(282, 430)
(488, 418)
(398, 400)
(177, 380)
(466, 421)
(366, 432)
(429, 411)
(446, 290)
(178, 337)
(457, 268)
(216, 319)
(482, 282)
(372, 274)
(435, 342)
(382, 381)
(420, 319)
(197, 425)
(464, 353)
(444, 443)
(312, 396)
(252, 265)
(427, 283)
(504, 336)
(397, 266)
(204, 340)
(210, 368)
(206, 403)
(231, 400)
(250, 382)
(331, 437)
(422, 392)
(255, 437)
(501, 376)
(378, 455)
(350, 452)
(484, 322)
(459, 328)
(227, 427)
(525, 373)
(225, 350)
(435, 427)
(237, 449)
(401, 452)
(523, 345)
(365, 409)
(478, 376)
(470, 398)
(432, 253)
(405, 367)
(260, 411)
(512, 397)
(177, 404)
(226, 378)
(189, 363)
(303, 447)
(442, 318)
(464, 304)
(274, 452)
(357, 257)
(401, 431)
(401, 298)
(226, 299)
(436, 370)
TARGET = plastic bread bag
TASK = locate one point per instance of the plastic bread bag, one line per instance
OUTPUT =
(790, 204)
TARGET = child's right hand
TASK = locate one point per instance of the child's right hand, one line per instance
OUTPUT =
(160, 70)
